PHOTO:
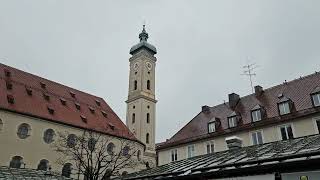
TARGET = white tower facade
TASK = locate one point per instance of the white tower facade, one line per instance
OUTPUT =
(141, 103)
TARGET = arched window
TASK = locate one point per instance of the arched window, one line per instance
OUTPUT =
(23, 130)
(148, 84)
(147, 138)
(71, 140)
(16, 162)
(148, 118)
(133, 118)
(43, 165)
(92, 144)
(48, 136)
(125, 151)
(110, 148)
(135, 85)
(66, 170)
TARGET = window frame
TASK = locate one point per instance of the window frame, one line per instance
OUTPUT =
(211, 146)
(312, 99)
(254, 132)
(282, 103)
(256, 110)
(193, 153)
(236, 121)
(173, 155)
(14, 162)
(24, 136)
(45, 134)
(316, 129)
(214, 126)
(286, 125)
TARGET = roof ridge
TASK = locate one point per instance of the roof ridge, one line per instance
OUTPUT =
(38, 76)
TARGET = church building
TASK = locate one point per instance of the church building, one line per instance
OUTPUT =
(34, 110)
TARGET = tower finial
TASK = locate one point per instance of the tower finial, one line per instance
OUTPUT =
(143, 36)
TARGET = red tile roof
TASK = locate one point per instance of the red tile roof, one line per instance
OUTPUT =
(298, 91)
(36, 96)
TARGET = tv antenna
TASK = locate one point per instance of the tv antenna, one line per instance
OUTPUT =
(248, 71)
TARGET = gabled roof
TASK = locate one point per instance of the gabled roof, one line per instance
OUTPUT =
(33, 95)
(249, 160)
(298, 91)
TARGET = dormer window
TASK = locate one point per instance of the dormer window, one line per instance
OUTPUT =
(285, 105)
(104, 114)
(43, 85)
(257, 113)
(50, 110)
(46, 97)
(111, 126)
(83, 118)
(7, 73)
(284, 108)
(91, 109)
(211, 127)
(98, 103)
(29, 91)
(77, 105)
(9, 85)
(316, 97)
(63, 101)
(72, 94)
(233, 119)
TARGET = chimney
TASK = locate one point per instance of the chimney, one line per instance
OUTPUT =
(234, 142)
(233, 100)
(205, 109)
(258, 90)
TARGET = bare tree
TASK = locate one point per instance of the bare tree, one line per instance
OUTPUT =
(97, 156)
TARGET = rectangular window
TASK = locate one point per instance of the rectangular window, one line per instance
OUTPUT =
(284, 108)
(211, 127)
(286, 132)
(316, 99)
(256, 115)
(318, 125)
(190, 151)
(210, 147)
(174, 155)
(232, 121)
(257, 138)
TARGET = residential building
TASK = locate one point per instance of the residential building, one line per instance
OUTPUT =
(282, 112)
(290, 159)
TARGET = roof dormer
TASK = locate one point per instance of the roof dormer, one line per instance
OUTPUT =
(285, 105)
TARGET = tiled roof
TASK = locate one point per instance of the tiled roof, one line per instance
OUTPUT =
(39, 97)
(22, 173)
(252, 158)
(298, 91)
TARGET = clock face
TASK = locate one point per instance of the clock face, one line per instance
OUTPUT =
(149, 65)
(135, 66)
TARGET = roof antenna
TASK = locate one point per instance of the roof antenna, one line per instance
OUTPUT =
(248, 71)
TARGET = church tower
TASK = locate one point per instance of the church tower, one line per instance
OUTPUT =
(141, 103)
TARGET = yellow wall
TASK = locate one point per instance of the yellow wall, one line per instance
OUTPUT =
(33, 148)
(301, 127)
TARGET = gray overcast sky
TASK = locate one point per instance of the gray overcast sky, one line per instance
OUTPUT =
(202, 46)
